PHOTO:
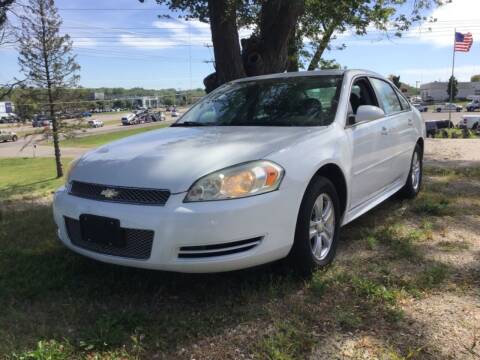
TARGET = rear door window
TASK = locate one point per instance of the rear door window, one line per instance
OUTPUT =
(405, 104)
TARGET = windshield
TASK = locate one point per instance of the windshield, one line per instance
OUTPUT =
(298, 101)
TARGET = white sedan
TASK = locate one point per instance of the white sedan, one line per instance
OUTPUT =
(95, 123)
(261, 169)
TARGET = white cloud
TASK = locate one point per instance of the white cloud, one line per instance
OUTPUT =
(84, 42)
(146, 43)
(460, 14)
(175, 32)
(462, 73)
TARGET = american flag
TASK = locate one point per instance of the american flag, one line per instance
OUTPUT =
(463, 42)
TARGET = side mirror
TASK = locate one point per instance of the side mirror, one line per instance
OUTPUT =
(368, 113)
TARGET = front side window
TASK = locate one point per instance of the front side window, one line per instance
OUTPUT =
(298, 101)
(361, 94)
(387, 97)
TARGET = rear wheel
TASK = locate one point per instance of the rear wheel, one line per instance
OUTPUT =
(317, 228)
(414, 180)
(14, 138)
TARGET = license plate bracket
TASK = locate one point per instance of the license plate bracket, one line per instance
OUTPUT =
(102, 230)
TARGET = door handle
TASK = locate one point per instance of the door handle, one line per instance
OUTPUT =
(410, 122)
(384, 131)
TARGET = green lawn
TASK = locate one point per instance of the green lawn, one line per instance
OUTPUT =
(390, 262)
(28, 178)
(101, 139)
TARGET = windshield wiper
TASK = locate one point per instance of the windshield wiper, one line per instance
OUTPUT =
(191, 123)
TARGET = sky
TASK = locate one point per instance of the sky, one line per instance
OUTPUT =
(124, 43)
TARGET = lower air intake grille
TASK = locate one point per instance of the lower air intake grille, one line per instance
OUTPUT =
(120, 194)
(204, 251)
(138, 242)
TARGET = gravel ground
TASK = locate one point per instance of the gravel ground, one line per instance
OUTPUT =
(452, 152)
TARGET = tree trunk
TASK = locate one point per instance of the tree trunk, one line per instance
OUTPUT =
(268, 53)
(292, 65)
(56, 143)
(226, 44)
(321, 48)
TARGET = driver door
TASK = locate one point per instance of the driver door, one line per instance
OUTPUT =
(369, 170)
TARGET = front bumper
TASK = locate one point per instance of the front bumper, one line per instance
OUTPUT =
(270, 217)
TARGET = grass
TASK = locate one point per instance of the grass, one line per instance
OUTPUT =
(104, 138)
(28, 178)
(58, 305)
(455, 133)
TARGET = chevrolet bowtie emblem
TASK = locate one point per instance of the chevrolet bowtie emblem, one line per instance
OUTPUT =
(109, 193)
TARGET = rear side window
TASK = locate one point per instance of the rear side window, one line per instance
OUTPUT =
(386, 96)
(404, 102)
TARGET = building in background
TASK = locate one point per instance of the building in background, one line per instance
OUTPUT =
(437, 91)
(7, 109)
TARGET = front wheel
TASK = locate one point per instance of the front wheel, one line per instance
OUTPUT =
(317, 227)
(14, 138)
(414, 179)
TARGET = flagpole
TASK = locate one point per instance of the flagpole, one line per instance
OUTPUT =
(453, 72)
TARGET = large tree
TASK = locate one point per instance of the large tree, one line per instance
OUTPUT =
(45, 57)
(264, 52)
(285, 33)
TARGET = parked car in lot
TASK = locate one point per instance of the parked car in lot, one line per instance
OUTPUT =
(431, 128)
(86, 114)
(94, 123)
(129, 119)
(473, 105)
(260, 169)
(160, 116)
(41, 121)
(448, 107)
(420, 107)
(175, 113)
(9, 119)
(471, 122)
(6, 135)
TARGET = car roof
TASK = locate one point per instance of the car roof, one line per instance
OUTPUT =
(287, 75)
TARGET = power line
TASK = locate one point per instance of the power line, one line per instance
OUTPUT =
(114, 9)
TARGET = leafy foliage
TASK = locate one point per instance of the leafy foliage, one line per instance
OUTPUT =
(475, 78)
(396, 80)
(319, 22)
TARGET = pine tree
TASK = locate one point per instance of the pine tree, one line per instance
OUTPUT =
(46, 59)
(452, 89)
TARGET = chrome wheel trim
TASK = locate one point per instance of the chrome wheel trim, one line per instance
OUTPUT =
(416, 171)
(322, 226)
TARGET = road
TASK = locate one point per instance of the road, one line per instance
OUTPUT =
(30, 146)
(25, 146)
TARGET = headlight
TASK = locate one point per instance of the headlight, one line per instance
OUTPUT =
(70, 168)
(253, 178)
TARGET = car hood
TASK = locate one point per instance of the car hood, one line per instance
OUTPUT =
(176, 157)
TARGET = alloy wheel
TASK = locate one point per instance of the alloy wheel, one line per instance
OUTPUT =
(416, 171)
(322, 226)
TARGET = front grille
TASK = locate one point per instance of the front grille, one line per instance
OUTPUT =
(121, 194)
(208, 251)
(138, 242)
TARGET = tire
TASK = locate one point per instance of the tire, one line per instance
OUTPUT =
(303, 257)
(415, 175)
(14, 138)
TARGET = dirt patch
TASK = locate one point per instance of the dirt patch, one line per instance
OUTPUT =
(452, 152)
